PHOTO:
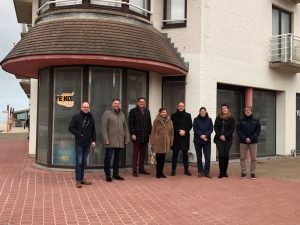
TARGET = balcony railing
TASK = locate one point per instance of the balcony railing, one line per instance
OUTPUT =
(285, 50)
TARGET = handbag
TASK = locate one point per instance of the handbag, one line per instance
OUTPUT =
(152, 157)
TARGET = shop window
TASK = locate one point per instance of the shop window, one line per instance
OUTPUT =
(264, 107)
(108, 81)
(43, 109)
(175, 12)
(66, 103)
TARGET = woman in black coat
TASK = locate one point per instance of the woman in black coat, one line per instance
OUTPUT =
(224, 128)
(182, 123)
(203, 127)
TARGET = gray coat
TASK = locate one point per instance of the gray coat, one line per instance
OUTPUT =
(114, 128)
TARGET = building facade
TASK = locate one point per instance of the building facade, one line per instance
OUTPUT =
(203, 52)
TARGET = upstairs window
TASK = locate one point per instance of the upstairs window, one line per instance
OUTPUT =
(175, 13)
(105, 3)
(138, 6)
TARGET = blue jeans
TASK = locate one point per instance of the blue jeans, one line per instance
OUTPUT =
(117, 158)
(82, 153)
(207, 152)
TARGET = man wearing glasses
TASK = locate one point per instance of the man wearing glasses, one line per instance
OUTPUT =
(82, 125)
(248, 129)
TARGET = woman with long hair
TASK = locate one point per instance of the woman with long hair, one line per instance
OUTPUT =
(224, 128)
(161, 139)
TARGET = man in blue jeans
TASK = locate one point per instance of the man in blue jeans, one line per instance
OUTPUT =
(82, 125)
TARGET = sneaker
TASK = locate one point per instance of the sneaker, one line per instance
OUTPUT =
(208, 176)
(144, 172)
(243, 175)
(253, 176)
(187, 172)
(108, 179)
(118, 177)
(78, 185)
(85, 182)
(173, 173)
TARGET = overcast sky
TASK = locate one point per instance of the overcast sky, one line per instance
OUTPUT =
(10, 90)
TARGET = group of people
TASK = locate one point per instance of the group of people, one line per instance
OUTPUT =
(166, 133)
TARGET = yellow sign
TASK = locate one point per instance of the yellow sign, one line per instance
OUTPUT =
(65, 99)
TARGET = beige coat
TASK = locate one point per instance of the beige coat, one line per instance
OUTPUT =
(114, 128)
(162, 135)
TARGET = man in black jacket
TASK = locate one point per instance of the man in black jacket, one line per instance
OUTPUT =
(248, 129)
(140, 129)
(182, 123)
(82, 125)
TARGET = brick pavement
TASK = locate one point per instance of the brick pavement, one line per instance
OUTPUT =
(33, 196)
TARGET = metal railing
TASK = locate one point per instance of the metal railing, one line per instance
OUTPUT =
(77, 2)
(285, 48)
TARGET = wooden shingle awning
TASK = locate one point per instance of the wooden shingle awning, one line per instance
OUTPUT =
(93, 42)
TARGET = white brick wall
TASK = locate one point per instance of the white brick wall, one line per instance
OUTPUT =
(228, 42)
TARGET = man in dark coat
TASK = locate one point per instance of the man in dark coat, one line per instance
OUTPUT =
(182, 123)
(248, 129)
(140, 129)
(82, 125)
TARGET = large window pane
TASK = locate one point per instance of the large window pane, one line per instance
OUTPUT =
(66, 103)
(105, 85)
(43, 108)
(141, 4)
(105, 3)
(69, 2)
(136, 87)
(264, 107)
(234, 99)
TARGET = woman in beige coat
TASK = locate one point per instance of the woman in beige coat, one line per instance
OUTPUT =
(161, 139)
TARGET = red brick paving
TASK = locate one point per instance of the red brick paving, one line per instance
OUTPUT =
(33, 196)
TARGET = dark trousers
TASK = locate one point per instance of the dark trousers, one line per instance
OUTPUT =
(117, 158)
(82, 153)
(185, 159)
(160, 162)
(206, 147)
(223, 151)
(139, 154)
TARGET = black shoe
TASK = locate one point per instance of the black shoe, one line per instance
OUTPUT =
(108, 179)
(135, 174)
(187, 173)
(144, 172)
(243, 175)
(220, 176)
(158, 176)
(118, 177)
(173, 173)
(225, 175)
(253, 176)
(163, 176)
(208, 175)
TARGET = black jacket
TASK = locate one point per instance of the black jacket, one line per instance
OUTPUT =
(181, 121)
(140, 124)
(248, 127)
(82, 125)
(224, 127)
(202, 126)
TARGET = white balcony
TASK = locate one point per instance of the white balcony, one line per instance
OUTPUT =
(285, 52)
